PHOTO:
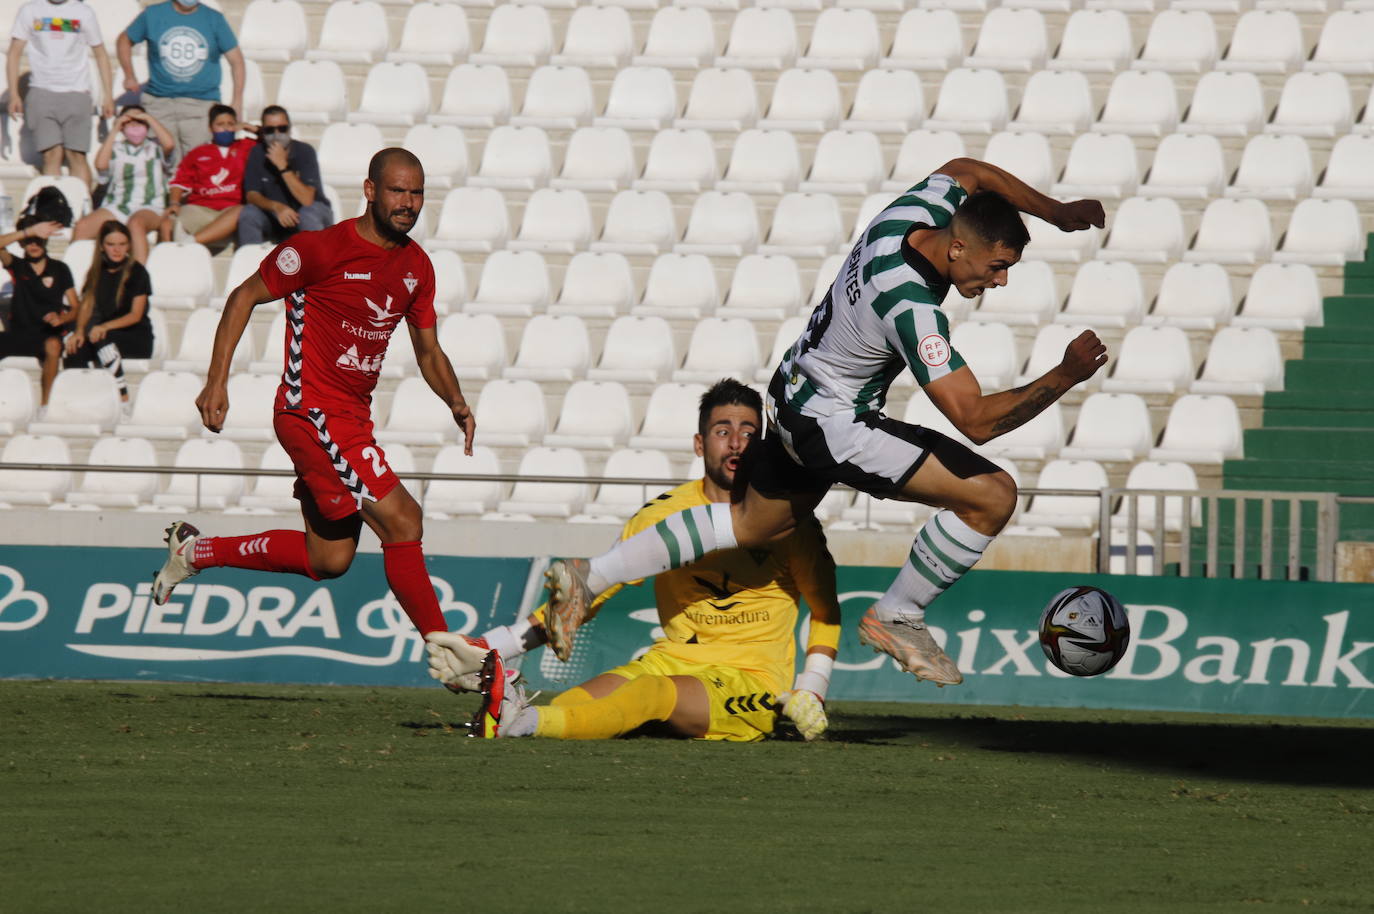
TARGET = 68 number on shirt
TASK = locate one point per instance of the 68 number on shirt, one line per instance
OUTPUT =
(1084, 631)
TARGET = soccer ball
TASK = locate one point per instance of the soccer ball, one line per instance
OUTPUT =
(1084, 631)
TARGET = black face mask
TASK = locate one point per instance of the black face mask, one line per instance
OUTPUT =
(34, 259)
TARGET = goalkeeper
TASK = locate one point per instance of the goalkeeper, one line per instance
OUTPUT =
(727, 651)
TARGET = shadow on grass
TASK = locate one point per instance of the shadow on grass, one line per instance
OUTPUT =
(233, 696)
(1279, 753)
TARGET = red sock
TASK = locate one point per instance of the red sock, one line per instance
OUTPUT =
(409, 580)
(272, 550)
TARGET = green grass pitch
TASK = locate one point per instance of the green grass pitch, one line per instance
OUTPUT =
(189, 797)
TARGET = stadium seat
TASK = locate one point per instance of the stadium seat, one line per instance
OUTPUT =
(395, 94)
(273, 30)
(34, 487)
(181, 275)
(597, 159)
(887, 101)
(1155, 474)
(252, 396)
(313, 91)
(17, 402)
(1039, 439)
(417, 416)
(556, 222)
(1273, 168)
(514, 283)
(1152, 360)
(74, 189)
(990, 349)
(843, 39)
(552, 348)
(1095, 41)
(162, 406)
(970, 101)
(1055, 102)
(1343, 47)
(805, 225)
(548, 499)
(1047, 351)
(446, 497)
(1179, 41)
(720, 347)
(1026, 155)
(200, 492)
(1011, 40)
(242, 265)
(515, 158)
(1104, 293)
(624, 500)
(762, 162)
(1111, 427)
(596, 284)
(198, 339)
(83, 402)
(1201, 428)
(638, 222)
(679, 38)
(765, 287)
(442, 149)
(679, 161)
(925, 39)
(1226, 104)
(254, 92)
(77, 257)
(475, 344)
(846, 162)
(680, 286)
(595, 415)
(1100, 165)
(1242, 361)
(641, 98)
(783, 340)
(1193, 296)
(1145, 230)
(116, 490)
(921, 153)
(721, 99)
(1186, 166)
(270, 358)
(1323, 232)
(804, 101)
(1265, 41)
(399, 361)
(1232, 231)
(269, 493)
(825, 278)
(1282, 296)
(1048, 243)
(637, 349)
(346, 149)
(434, 34)
(450, 280)
(1031, 297)
(1067, 512)
(721, 225)
(354, 31)
(597, 36)
(475, 96)
(1140, 103)
(517, 35)
(472, 219)
(761, 39)
(1349, 173)
(670, 419)
(511, 413)
(556, 98)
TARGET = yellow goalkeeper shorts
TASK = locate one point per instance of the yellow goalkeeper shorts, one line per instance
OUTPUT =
(742, 707)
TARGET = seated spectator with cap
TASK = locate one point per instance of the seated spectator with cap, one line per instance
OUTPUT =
(44, 299)
(283, 191)
(207, 190)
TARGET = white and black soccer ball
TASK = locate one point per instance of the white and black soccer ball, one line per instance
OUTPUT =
(1084, 631)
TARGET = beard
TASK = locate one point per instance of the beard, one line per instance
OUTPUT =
(719, 475)
(386, 226)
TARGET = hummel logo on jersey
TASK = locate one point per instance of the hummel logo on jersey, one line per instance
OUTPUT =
(369, 364)
(348, 275)
(411, 282)
(381, 315)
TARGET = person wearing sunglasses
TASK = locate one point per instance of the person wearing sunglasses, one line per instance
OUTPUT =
(283, 192)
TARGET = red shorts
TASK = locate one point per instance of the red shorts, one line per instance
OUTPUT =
(338, 463)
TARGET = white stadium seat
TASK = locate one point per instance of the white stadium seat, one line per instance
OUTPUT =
(1233, 231)
(670, 419)
(638, 222)
(623, 500)
(1328, 232)
(1010, 39)
(73, 188)
(679, 37)
(557, 98)
(1179, 41)
(444, 497)
(556, 221)
(181, 275)
(970, 101)
(846, 162)
(1155, 474)
(1111, 427)
(472, 219)
(548, 499)
(205, 491)
(346, 149)
(1048, 351)
(517, 35)
(417, 416)
(783, 340)
(17, 403)
(925, 39)
(1265, 41)
(762, 39)
(1048, 243)
(270, 493)
(637, 349)
(989, 347)
(1349, 172)
(270, 357)
(82, 402)
(1030, 297)
(552, 348)
(1243, 361)
(198, 339)
(1273, 168)
(1343, 47)
(641, 98)
(804, 101)
(1226, 104)
(1186, 166)
(511, 413)
(1067, 512)
(1095, 41)
(475, 344)
(514, 283)
(1039, 439)
(887, 101)
(597, 159)
(597, 36)
(1055, 102)
(1145, 230)
(1026, 155)
(254, 92)
(1100, 165)
(395, 94)
(1193, 296)
(1282, 296)
(273, 30)
(921, 153)
(354, 31)
(77, 257)
(1104, 293)
(720, 347)
(116, 490)
(596, 284)
(764, 287)
(1201, 428)
(721, 99)
(399, 361)
(313, 91)
(34, 487)
(475, 96)
(242, 265)
(721, 225)
(163, 406)
(680, 286)
(442, 149)
(762, 162)
(825, 278)
(434, 34)
(805, 225)
(679, 161)
(843, 39)
(595, 414)
(251, 397)
(515, 158)
(1152, 360)
(1140, 103)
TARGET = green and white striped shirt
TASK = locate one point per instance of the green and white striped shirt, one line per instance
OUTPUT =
(138, 176)
(881, 313)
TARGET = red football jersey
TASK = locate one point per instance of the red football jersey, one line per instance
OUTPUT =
(344, 298)
(212, 175)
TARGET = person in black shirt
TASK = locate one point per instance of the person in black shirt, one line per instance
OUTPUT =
(112, 320)
(44, 299)
(282, 190)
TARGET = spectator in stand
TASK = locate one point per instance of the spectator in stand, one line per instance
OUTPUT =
(112, 319)
(137, 189)
(283, 192)
(59, 35)
(185, 43)
(207, 191)
(44, 299)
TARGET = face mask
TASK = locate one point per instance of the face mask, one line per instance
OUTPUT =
(223, 137)
(280, 138)
(136, 133)
(192, 4)
(32, 258)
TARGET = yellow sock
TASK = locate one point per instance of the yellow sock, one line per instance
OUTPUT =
(574, 696)
(635, 703)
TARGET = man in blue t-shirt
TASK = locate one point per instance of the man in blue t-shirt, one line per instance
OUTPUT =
(185, 43)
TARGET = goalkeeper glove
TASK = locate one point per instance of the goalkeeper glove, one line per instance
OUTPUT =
(455, 660)
(806, 710)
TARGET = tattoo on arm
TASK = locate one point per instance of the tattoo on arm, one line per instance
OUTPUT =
(1027, 409)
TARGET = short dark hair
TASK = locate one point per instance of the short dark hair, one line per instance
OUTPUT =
(275, 109)
(384, 157)
(133, 107)
(727, 392)
(217, 109)
(991, 217)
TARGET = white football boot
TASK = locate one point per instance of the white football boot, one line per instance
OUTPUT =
(181, 542)
(911, 645)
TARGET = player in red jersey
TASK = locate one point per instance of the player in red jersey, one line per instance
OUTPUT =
(347, 288)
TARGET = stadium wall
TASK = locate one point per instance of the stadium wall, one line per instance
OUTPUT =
(1273, 648)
